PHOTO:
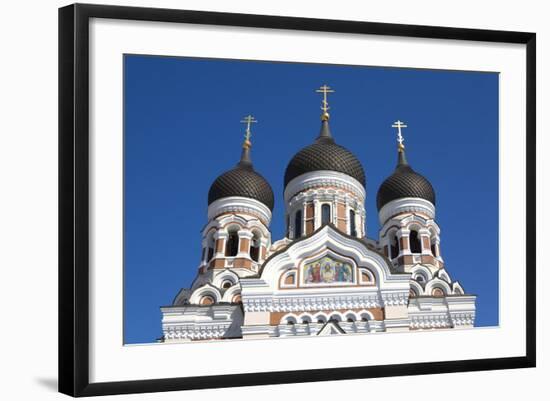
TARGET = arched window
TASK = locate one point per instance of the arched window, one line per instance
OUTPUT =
(325, 214)
(364, 317)
(414, 240)
(255, 247)
(350, 318)
(288, 225)
(298, 224)
(210, 247)
(434, 249)
(352, 229)
(335, 318)
(394, 247)
(232, 245)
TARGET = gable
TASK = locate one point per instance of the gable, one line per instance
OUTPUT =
(331, 328)
(329, 259)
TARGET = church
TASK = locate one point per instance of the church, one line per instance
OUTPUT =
(325, 277)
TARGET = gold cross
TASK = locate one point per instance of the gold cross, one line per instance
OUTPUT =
(325, 90)
(399, 124)
(248, 120)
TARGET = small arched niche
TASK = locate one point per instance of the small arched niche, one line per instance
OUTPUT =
(288, 279)
(207, 300)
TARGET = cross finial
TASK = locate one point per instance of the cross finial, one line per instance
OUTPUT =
(324, 105)
(399, 124)
(248, 120)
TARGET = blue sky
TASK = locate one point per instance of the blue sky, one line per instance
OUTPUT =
(182, 129)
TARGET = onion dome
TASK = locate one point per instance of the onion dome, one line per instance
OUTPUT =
(324, 154)
(404, 183)
(242, 180)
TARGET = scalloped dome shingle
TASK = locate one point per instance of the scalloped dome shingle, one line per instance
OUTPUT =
(243, 181)
(324, 154)
(404, 183)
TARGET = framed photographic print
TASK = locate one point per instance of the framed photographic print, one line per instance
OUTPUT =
(249, 199)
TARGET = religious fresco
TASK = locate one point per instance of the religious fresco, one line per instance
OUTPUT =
(326, 271)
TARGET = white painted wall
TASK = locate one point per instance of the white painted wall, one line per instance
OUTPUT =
(28, 205)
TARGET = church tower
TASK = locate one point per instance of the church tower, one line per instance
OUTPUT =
(324, 184)
(236, 238)
(409, 234)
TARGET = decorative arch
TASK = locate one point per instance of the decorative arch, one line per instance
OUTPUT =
(366, 277)
(437, 283)
(416, 288)
(365, 316)
(336, 316)
(289, 279)
(305, 318)
(443, 275)
(320, 317)
(420, 270)
(350, 317)
(330, 241)
(457, 288)
(231, 293)
(289, 318)
(393, 227)
(203, 291)
(226, 275)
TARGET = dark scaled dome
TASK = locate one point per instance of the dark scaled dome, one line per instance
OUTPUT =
(324, 154)
(404, 183)
(243, 181)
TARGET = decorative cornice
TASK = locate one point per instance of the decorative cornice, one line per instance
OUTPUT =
(305, 303)
(238, 204)
(324, 178)
(430, 321)
(196, 331)
(462, 318)
(395, 298)
(406, 205)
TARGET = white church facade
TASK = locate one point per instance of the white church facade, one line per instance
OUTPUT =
(325, 277)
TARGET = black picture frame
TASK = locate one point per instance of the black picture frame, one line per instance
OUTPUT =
(74, 198)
